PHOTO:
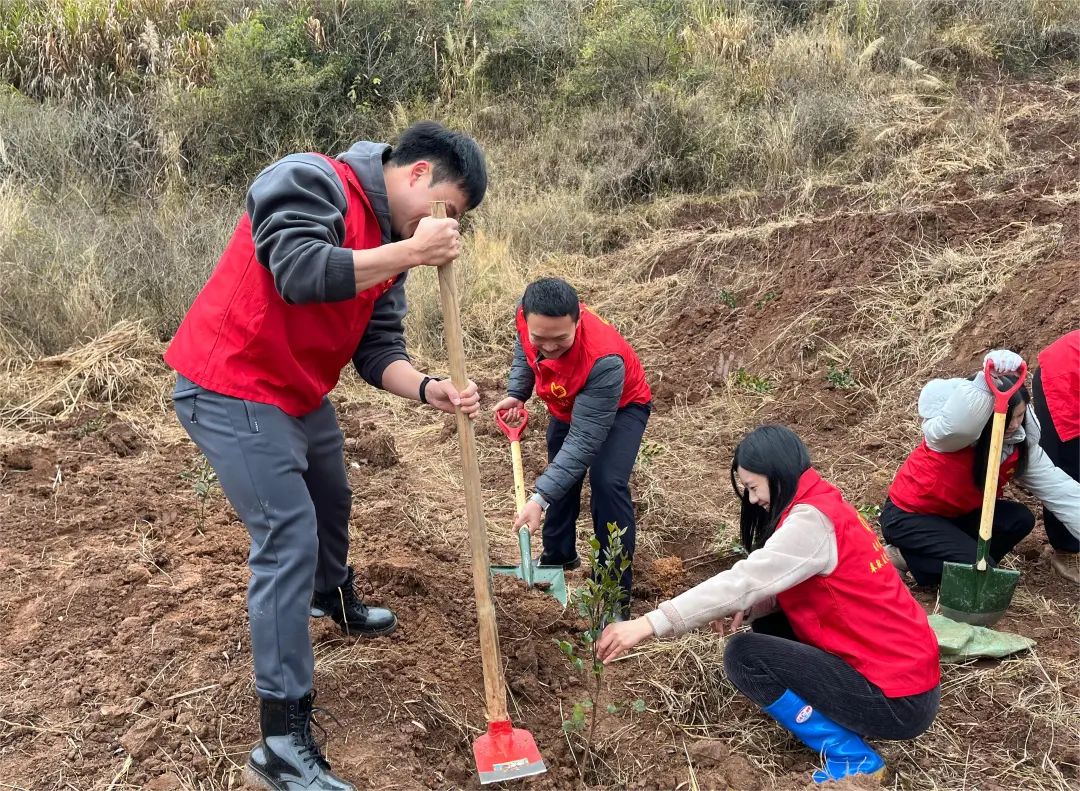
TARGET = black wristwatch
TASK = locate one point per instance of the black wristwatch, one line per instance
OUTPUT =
(424, 384)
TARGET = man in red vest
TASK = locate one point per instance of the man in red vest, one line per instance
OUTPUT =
(1055, 392)
(313, 278)
(594, 387)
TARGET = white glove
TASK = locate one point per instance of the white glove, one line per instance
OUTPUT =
(1005, 362)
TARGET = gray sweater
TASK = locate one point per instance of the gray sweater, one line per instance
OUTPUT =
(297, 208)
(590, 419)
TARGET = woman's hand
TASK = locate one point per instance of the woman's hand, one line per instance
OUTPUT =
(618, 638)
(736, 624)
(1005, 362)
(512, 406)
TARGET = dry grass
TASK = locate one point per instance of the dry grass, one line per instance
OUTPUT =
(120, 367)
(909, 317)
(683, 680)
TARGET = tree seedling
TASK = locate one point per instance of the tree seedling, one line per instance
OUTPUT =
(597, 601)
(202, 479)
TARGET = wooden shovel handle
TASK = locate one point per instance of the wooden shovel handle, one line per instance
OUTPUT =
(519, 475)
(993, 471)
(494, 683)
(993, 460)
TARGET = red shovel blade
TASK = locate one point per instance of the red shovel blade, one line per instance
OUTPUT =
(506, 753)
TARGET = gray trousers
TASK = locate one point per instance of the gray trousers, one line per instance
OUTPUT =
(285, 477)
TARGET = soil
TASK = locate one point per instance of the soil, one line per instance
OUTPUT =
(123, 629)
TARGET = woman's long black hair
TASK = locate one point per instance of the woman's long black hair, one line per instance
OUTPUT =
(777, 453)
(982, 446)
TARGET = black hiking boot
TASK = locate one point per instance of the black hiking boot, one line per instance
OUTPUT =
(288, 758)
(347, 608)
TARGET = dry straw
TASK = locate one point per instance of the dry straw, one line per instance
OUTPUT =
(121, 366)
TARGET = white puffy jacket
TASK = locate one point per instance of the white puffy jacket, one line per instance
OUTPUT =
(954, 412)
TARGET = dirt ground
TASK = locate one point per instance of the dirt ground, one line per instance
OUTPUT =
(124, 653)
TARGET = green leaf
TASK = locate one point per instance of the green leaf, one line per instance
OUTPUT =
(579, 665)
(566, 647)
(638, 706)
(612, 708)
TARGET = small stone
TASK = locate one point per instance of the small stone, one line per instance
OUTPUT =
(141, 739)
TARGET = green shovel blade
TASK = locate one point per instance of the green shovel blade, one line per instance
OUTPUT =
(549, 579)
(976, 597)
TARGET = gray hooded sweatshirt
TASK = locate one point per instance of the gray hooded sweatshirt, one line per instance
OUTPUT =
(591, 418)
(297, 207)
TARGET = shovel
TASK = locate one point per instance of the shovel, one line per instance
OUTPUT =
(550, 579)
(979, 594)
(504, 752)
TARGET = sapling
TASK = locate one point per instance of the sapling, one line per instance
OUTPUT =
(597, 602)
(202, 478)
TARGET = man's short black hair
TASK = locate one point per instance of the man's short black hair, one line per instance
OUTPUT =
(456, 157)
(551, 296)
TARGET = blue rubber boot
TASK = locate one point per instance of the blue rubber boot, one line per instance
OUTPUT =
(843, 752)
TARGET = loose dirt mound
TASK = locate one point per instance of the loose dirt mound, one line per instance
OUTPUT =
(123, 631)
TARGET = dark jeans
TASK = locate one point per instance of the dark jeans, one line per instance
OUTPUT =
(609, 479)
(1065, 455)
(926, 540)
(768, 661)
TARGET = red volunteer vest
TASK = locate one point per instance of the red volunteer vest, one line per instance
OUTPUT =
(1059, 367)
(559, 381)
(861, 612)
(931, 482)
(242, 339)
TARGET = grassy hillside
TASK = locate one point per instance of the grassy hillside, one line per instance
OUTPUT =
(129, 130)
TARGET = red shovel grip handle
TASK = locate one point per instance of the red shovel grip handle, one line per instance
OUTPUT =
(1001, 397)
(513, 433)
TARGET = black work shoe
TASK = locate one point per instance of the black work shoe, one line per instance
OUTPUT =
(347, 608)
(568, 565)
(288, 758)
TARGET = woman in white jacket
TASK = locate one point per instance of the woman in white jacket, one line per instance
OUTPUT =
(839, 651)
(931, 514)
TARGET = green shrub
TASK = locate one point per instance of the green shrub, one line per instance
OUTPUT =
(626, 46)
